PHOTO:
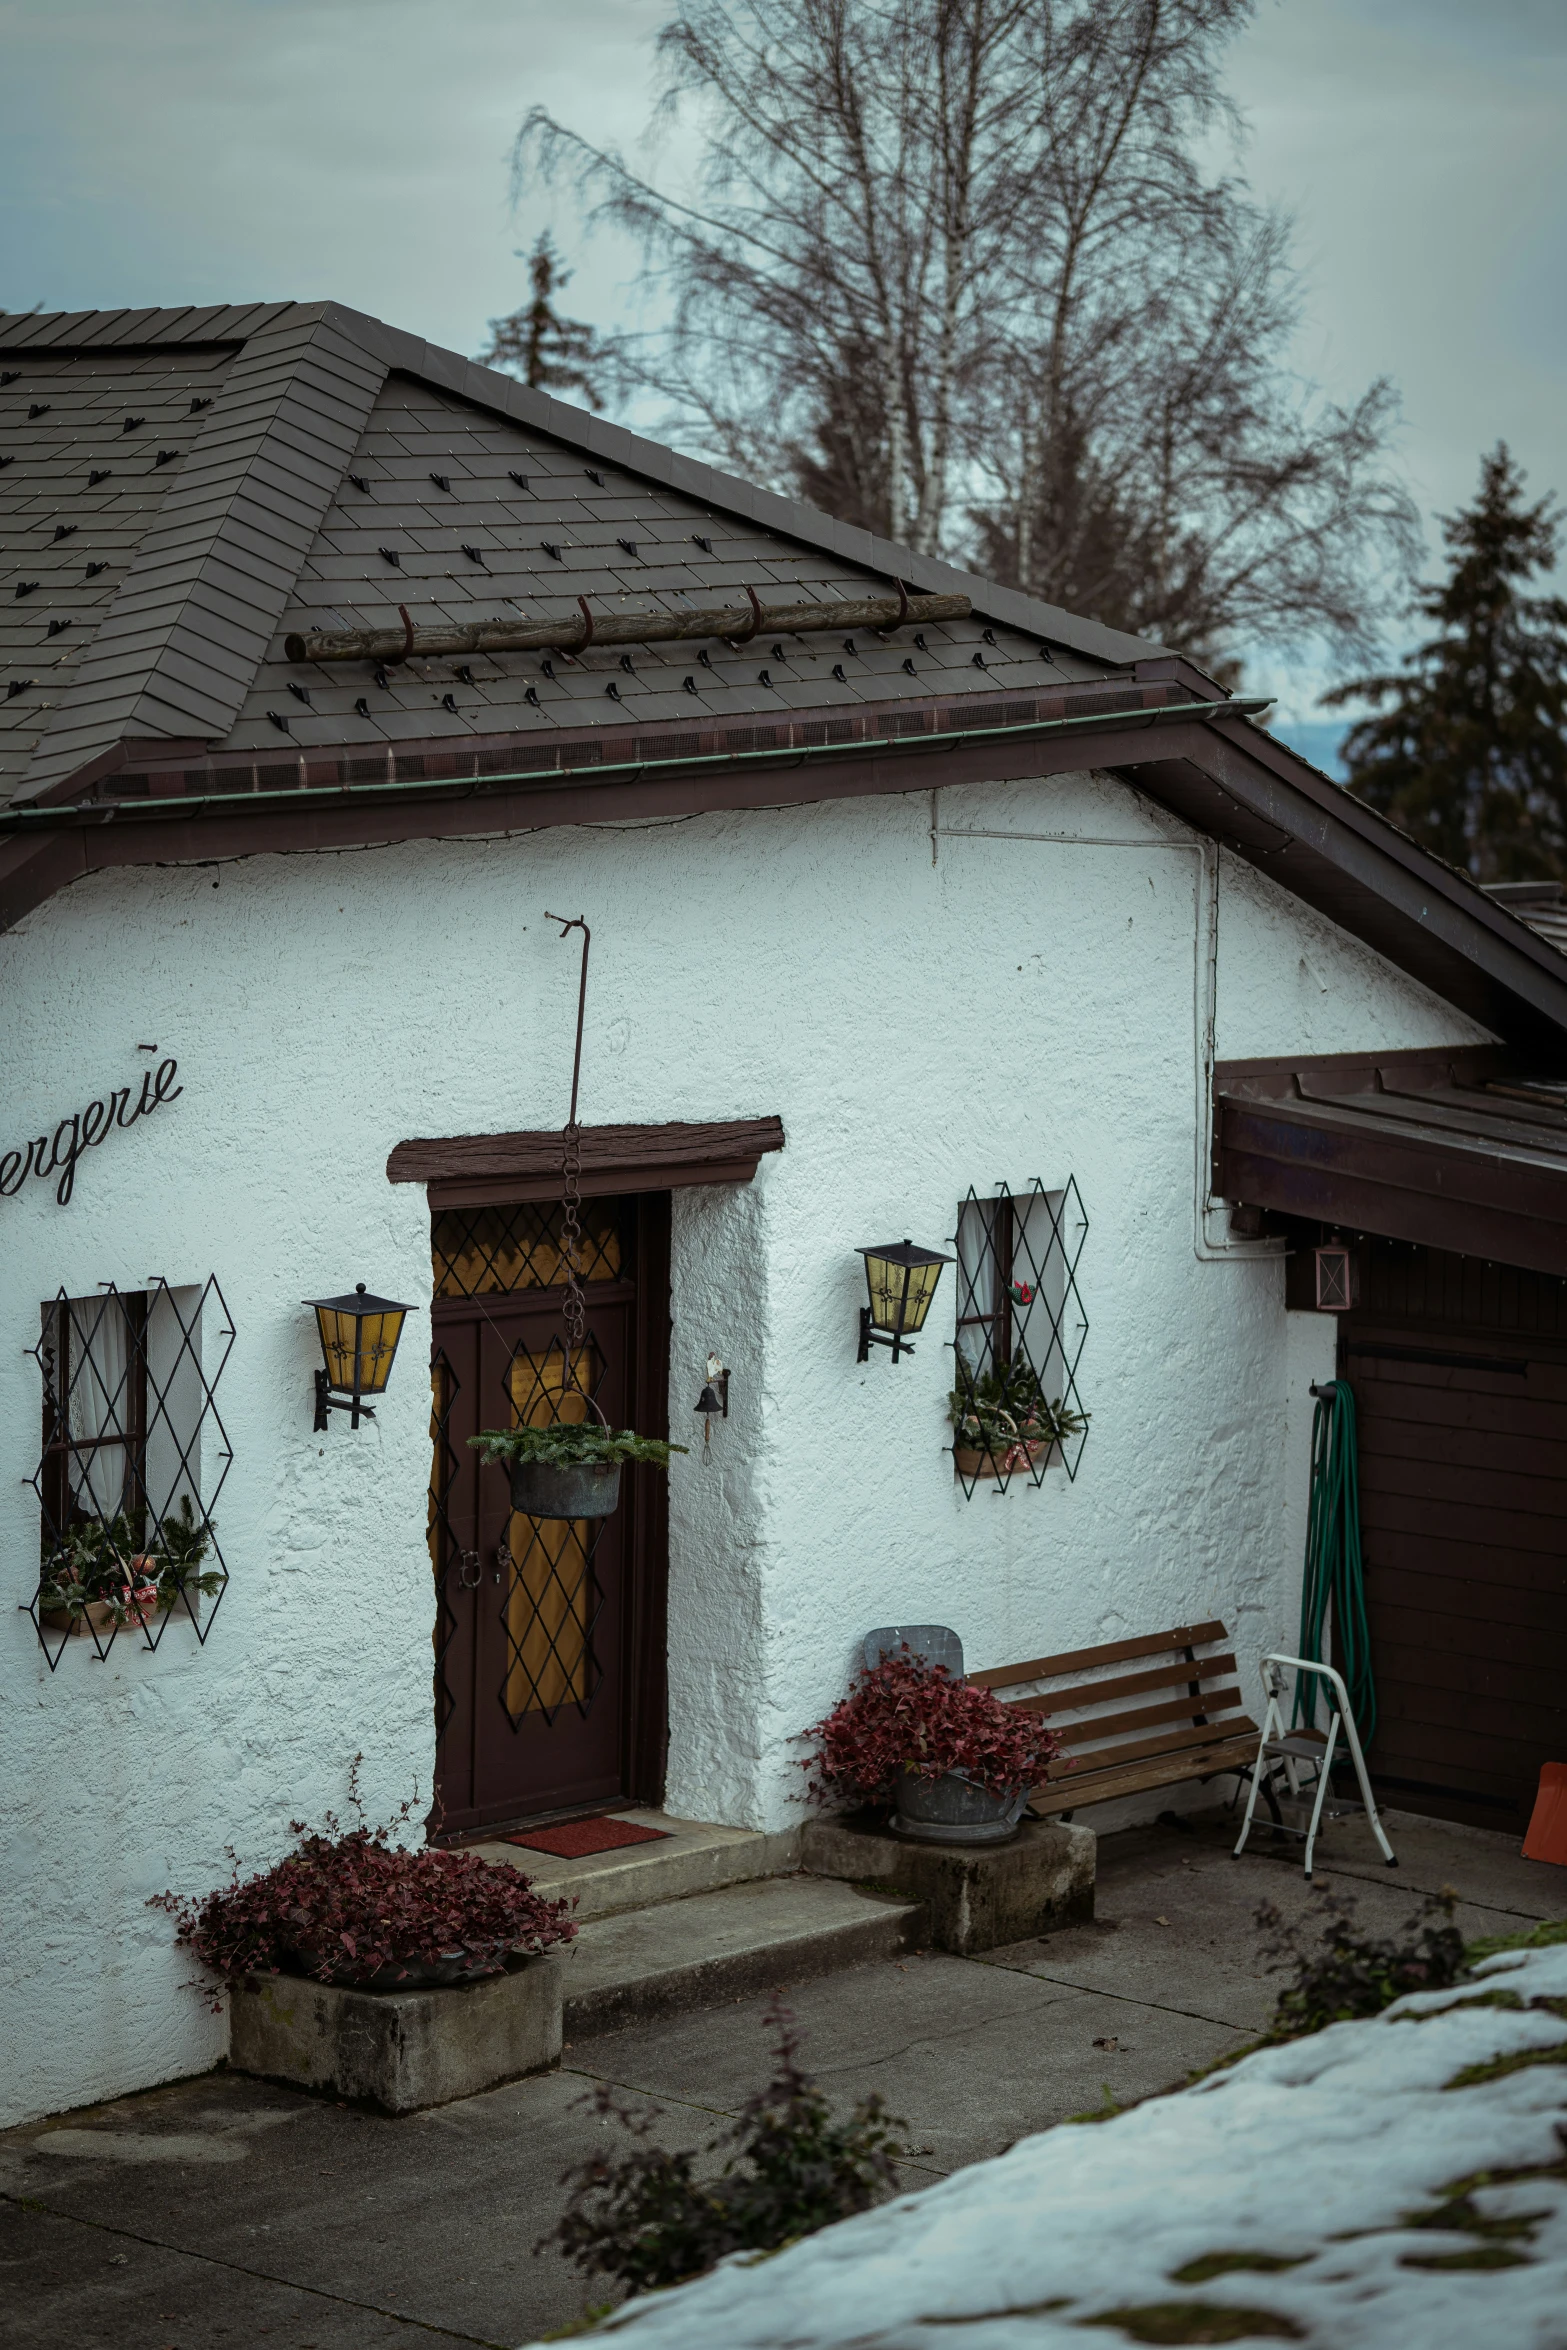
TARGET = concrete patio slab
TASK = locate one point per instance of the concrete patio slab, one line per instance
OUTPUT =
(67, 2282)
(430, 2220)
(970, 2057)
(233, 2214)
(1175, 1916)
(1488, 1869)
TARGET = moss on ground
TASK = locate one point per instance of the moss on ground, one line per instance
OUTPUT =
(1224, 2264)
(1198, 2321)
(1478, 2256)
(1475, 2076)
(1541, 1937)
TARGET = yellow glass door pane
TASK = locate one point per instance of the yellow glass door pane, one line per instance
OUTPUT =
(549, 1604)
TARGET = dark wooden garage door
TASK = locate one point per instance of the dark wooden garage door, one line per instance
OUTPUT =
(1460, 1376)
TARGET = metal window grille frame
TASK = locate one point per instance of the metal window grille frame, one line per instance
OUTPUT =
(1019, 1311)
(153, 1364)
(579, 1593)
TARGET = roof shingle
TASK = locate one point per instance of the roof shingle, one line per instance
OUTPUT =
(257, 527)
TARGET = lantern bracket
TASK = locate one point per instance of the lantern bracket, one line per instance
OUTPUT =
(326, 1402)
(870, 1336)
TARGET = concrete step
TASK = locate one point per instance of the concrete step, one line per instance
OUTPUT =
(725, 1945)
(690, 1857)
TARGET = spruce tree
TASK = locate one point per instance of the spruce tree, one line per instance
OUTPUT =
(1469, 752)
(550, 353)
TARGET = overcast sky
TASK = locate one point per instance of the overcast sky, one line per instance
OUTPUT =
(164, 151)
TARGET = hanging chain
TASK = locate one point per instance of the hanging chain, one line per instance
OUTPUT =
(574, 1308)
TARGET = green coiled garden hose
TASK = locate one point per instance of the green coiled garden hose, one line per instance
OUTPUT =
(1335, 1577)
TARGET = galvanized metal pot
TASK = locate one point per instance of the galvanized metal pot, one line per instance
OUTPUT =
(544, 1489)
(953, 1810)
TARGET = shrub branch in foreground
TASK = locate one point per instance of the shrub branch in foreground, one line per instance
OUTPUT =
(647, 2219)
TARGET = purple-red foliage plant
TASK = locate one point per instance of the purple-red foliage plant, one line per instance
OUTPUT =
(349, 1906)
(906, 1714)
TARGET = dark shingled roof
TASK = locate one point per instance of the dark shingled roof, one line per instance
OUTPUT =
(253, 463)
(227, 514)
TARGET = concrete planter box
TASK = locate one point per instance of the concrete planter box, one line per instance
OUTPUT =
(399, 2050)
(977, 1897)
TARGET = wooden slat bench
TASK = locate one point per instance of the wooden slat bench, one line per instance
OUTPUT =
(1177, 1716)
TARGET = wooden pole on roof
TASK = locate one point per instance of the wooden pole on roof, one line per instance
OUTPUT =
(738, 624)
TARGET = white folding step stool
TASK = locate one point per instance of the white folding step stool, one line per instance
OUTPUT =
(1278, 1744)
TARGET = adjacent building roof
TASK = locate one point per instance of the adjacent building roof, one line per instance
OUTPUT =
(182, 490)
(1542, 904)
(1459, 1151)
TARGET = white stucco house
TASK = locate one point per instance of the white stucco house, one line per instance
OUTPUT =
(335, 671)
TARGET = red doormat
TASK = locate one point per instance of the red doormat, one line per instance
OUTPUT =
(575, 1839)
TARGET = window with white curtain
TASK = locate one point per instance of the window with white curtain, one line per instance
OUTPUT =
(132, 1455)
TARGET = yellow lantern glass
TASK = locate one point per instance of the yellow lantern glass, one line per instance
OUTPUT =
(359, 1336)
(901, 1282)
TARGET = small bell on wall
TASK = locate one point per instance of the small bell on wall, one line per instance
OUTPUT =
(714, 1398)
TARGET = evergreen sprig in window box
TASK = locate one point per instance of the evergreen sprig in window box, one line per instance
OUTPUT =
(1003, 1422)
(100, 1577)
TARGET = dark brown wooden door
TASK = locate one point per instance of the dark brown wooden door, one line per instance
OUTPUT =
(549, 1631)
(1463, 1484)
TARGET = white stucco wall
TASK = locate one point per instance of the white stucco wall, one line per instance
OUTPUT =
(1005, 1008)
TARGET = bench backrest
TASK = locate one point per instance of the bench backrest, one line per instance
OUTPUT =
(1178, 1692)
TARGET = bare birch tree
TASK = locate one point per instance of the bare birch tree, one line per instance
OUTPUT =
(952, 269)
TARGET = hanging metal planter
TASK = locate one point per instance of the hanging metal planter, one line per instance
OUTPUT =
(582, 1480)
(565, 1489)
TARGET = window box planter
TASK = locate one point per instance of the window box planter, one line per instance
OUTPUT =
(83, 1618)
(1004, 1461)
(399, 2049)
(97, 1582)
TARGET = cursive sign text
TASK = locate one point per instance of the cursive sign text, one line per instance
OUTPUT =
(83, 1130)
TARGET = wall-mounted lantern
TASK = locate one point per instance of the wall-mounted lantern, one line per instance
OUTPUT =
(1335, 1278)
(902, 1281)
(359, 1337)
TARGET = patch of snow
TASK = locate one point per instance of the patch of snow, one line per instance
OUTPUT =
(1323, 2152)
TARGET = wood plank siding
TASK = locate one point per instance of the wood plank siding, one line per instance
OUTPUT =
(1459, 1371)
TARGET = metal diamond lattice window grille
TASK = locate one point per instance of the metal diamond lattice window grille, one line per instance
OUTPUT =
(479, 1251)
(133, 1458)
(552, 1601)
(1020, 1335)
